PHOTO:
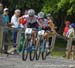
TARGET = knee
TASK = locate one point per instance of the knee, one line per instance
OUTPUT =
(46, 35)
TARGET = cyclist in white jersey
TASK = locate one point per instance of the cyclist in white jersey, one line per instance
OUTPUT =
(43, 25)
(31, 19)
(32, 23)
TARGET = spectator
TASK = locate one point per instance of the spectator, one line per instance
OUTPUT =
(67, 24)
(71, 34)
(5, 16)
(15, 19)
(15, 24)
(5, 33)
(66, 28)
(1, 17)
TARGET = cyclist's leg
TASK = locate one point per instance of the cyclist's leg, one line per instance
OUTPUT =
(34, 39)
(46, 36)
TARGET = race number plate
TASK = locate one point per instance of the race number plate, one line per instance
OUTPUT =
(28, 31)
(41, 32)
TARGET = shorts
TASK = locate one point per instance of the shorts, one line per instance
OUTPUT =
(33, 25)
(69, 46)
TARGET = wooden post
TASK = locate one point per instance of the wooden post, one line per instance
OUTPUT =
(1, 38)
(53, 42)
(18, 38)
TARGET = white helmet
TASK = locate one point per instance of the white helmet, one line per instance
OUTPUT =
(41, 15)
(31, 12)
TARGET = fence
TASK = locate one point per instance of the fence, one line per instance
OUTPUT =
(69, 41)
(19, 31)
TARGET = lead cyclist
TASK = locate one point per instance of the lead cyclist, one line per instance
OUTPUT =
(32, 23)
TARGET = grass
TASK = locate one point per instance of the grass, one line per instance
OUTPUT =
(58, 53)
(61, 43)
(61, 47)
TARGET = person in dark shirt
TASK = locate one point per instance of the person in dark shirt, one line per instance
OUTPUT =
(1, 16)
(5, 31)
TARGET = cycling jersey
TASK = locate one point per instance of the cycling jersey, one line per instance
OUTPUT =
(44, 24)
(31, 23)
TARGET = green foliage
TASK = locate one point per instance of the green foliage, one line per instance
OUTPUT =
(26, 4)
(52, 6)
(68, 5)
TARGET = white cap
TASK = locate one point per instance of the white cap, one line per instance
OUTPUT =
(17, 10)
(5, 9)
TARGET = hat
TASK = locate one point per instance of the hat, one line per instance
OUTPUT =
(5, 9)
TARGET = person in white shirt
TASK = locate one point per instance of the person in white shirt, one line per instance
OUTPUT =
(14, 19)
(15, 24)
(71, 34)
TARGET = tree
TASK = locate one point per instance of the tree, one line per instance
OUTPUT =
(60, 9)
(26, 4)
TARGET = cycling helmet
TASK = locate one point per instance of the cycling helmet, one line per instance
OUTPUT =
(31, 12)
(41, 15)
